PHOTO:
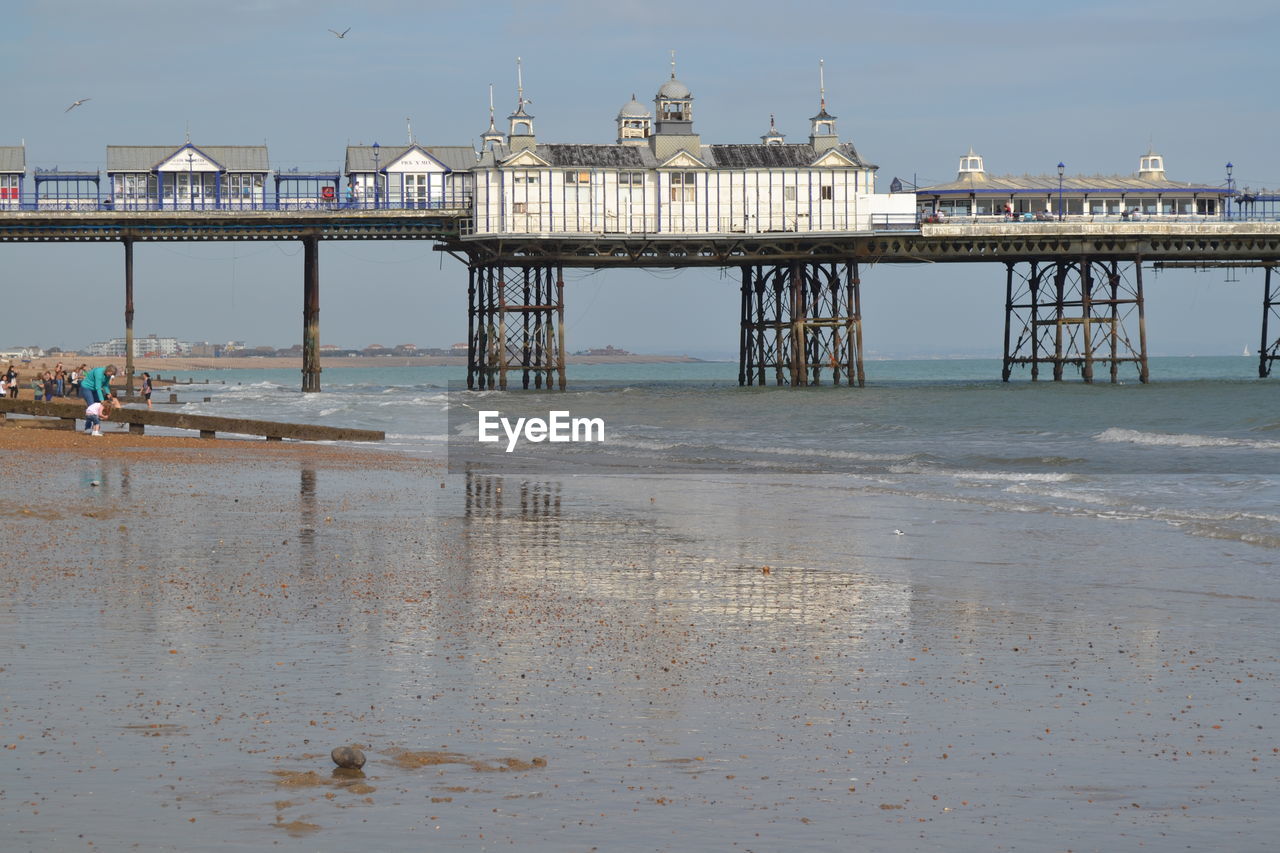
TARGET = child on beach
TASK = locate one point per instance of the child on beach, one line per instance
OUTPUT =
(95, 414)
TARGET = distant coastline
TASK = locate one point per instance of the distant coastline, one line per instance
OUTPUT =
(188, 363)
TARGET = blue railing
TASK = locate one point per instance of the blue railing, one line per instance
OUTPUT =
(452, 201)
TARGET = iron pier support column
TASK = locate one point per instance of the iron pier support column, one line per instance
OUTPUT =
(559, 330)
(310, 313)
(472, 361)
(1268, 350)
(515, 323)
(1086, 317)
(744, 319)
(1007, 367)
(801, 319)
(1144, 372)
(1033, 284)
(128, 316)
(1078, 320)
(1059, 287)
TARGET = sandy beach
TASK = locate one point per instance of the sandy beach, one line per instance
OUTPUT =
(650, 663)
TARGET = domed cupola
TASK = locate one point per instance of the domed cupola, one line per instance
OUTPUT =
(674, 104)
(635, 123)
(673, 126)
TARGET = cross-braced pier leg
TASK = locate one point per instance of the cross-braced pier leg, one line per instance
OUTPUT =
(1074, 313)
(515, 324)
(1269, 350)
(801, 322)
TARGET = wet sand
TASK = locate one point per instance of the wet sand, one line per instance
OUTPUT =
(645, 663)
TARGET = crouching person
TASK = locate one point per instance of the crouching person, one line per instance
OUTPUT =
(95, 414)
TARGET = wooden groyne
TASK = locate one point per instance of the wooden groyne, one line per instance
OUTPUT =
(207, 425)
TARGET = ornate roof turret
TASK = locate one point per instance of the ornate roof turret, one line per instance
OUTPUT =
(971, 168)
(673, 127)
(822, 132)
(491, 137)
(674, 104)
(635, 123)
(774, 136)
(520, 123)
(1151, 166)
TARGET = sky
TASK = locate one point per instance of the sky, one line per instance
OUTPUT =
(913, 86)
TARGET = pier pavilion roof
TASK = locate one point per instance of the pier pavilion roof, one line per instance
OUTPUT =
(980, 183)
(458, 158)
(784, 156)
(613, 156)
(13, 158)
(145, 158)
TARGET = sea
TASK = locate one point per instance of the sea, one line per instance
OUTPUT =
(1196, 449)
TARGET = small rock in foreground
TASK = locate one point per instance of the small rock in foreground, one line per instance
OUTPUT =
(347, 757)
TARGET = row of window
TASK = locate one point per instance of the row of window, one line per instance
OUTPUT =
(1080, 206)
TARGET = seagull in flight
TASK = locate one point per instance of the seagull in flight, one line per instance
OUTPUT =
(342, 34)
(76, 104)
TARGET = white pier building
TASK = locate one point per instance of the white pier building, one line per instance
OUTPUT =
(659, 178)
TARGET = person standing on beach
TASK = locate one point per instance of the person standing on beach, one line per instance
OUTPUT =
(146, 388)
(12, 376)
(60, 379)
(96, 384)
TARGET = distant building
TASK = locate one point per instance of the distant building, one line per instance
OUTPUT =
(608, 350)
(151, 345)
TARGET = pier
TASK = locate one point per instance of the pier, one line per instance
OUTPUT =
(800, 225)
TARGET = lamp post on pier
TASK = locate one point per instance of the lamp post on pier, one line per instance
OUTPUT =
(1061, 167)
(1230, 192)
(376, 189)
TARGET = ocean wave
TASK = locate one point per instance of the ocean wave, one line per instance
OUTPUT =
(1073, 495)
(1117, 435)
(1011, 476)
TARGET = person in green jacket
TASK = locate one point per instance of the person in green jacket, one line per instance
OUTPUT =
(96, 385)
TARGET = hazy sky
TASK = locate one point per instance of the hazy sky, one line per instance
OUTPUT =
(1026, 84)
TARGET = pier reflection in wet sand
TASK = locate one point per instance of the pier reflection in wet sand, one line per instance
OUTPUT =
(629, 663)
